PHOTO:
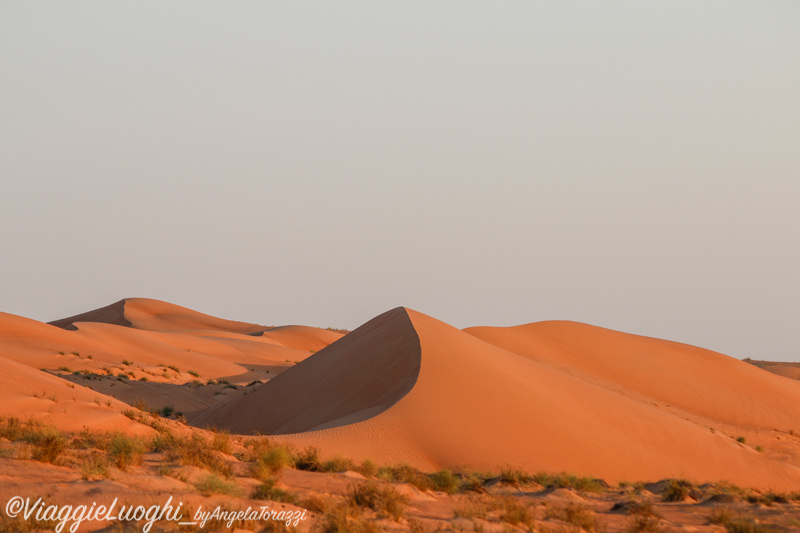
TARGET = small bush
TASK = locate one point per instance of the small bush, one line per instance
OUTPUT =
(444, 481)
(736, 522)
(741, 439)
(368, 469)
(94, 466)
(568, 481)
(344, 519)
(677, 490)
(268, 461)
(193, 373)
(268, 491)
(48, 443)
(514, 512)
(384, 500)
(576, 514)
(196, 451)
(166, 411)
(405, 474)
(337, 463)
(126, 450)
(211, 484)
(222, 442)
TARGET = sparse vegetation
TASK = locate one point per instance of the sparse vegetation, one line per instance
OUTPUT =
(576, 514)
(736, 522)
(94, 466)
(211, 484)
(741, 439)
(678, 490)
(126, 450)
(569, 481)
(193, 373)
(383, 499)
(268, 491)
(515, 512)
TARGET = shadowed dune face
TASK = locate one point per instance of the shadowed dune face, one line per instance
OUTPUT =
(351, 380)
(110, 314)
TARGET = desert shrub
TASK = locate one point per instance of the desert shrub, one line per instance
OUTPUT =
(344, 519)
(368, 469)
(337, 463)
(48, 445)
(515, 477)
(515, 512)
(736, 522)
(643, 518)
(268, 491)
(385, 500)
(12, 428)
(405, 474)
(269, 460)
(473, 507)
(768, 498)
(126, 450)
(196, 451)
(166, 411)
(444, 481)
(566, 480)
(741, 439)
(472, 481)
(315, 504)
(211, 484)
(222, 442)
(574, 513)
(308, 459)
(677, 490)
(94, 466)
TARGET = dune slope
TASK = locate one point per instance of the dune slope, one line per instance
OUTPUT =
(474, 403)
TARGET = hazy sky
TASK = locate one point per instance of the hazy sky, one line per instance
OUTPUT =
(634, 165)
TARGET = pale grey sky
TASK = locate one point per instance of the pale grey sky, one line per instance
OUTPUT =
(634, 165)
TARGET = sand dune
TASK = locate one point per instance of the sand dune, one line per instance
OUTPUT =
(405, 387)
(155, 315)
(475, 403)
(165, 353)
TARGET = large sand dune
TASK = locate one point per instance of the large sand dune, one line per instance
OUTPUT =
(405, 387)
(645, 410)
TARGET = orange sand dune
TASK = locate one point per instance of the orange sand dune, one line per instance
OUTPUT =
(29, 393)
(155, 315)
(698, 381)
(406, 387)
(158, 347)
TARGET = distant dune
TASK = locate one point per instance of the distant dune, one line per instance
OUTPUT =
(405, 387)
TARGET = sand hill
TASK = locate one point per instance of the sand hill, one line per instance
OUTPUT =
(550, 396)
(405, 387)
